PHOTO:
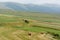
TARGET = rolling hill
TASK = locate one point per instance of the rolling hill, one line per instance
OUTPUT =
(29, 21)
(40, 27)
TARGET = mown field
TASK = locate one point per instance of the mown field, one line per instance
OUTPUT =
(41, 26)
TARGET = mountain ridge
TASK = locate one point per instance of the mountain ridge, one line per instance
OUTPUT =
(31, 7)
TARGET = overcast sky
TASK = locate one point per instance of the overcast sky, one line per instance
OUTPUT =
(34, 1)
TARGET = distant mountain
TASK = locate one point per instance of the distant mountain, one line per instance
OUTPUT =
(53, 8)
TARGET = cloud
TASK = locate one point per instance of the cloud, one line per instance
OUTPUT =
(34, 1)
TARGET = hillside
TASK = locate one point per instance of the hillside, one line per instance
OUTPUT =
(40, 26)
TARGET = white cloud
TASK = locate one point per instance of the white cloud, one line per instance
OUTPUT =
(33, 1)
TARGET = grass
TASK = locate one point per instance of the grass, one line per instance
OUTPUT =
(42, 22)
(37, 29)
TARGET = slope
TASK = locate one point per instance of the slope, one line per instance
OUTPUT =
(13, 27)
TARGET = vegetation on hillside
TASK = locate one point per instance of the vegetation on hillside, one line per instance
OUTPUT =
(29, 26)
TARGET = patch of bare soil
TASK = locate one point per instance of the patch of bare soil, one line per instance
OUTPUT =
(32, 35)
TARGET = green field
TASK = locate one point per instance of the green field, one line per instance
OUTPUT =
(13, 26)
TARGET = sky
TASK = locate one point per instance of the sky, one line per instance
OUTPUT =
(34, 1)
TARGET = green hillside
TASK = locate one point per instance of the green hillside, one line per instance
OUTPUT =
(39, 26)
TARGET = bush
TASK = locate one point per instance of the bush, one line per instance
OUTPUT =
(56, 35)
(26, 21)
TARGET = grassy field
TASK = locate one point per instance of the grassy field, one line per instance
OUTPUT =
(42, 26)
